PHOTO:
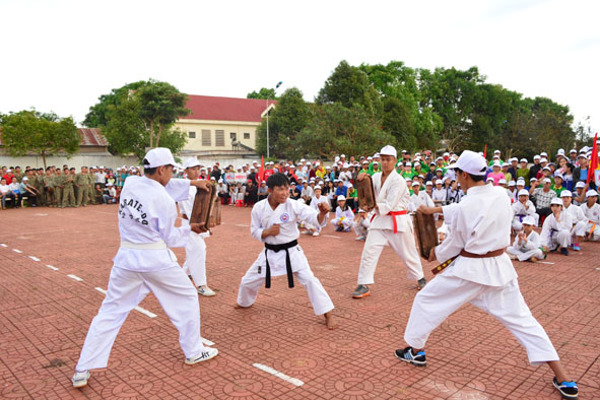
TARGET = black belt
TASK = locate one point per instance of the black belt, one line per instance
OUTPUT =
(288, 264)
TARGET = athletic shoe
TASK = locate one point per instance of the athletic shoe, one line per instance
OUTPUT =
(576, 247)
(360, 238)
(204, 290)
(316, 234)
(339, 228)
(80, 379)
(207, 354)
(407, 355)
(361, 291)
(564, 251)
(421, 283)
(568, 390)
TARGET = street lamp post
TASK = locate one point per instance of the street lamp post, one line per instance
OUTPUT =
(278, 84)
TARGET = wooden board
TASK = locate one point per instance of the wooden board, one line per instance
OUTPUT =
(426, 233)
(365, 193)
(203, 205)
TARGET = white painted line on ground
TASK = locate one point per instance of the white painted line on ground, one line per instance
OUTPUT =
(51, 267)
(138, 308)
(331, 236)
(281, 375)
(207, 342)
(3, 245)
(75, 277)
(34, 258)
(17, 251)
(597, 269)
(546, 262)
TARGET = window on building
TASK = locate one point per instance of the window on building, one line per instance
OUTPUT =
(219, 138)
(206, 137)
(246, 135)
(192, 135)
(232, 136)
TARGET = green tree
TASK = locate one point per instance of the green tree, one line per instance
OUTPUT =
(99, 112)
(286, 121)
(263, 93)
(27, 132)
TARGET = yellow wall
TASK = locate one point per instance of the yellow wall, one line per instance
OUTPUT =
(193, 125)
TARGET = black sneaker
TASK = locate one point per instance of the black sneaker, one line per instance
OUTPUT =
(361, 291)
(568, 390)
(564, 251)
(421, 283)
(407, 355)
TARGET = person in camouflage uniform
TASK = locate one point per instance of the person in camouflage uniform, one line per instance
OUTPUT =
(90, 188)
(59, 187)
(68, 199)
(81, 183)
(48, 180)
(38, 183)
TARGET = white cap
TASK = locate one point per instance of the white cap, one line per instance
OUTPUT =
(580, 184)
(471, 162)
(566, 193)
(388, 151)
(521, 182)
(591, 193)
(512, 183)
(559, 176)
(523, 160)
(25, 178)
(523, 192)
(158, 157)
(318, 187)
(502, 181)
(528, 220)
(416, 183)
(546, 169)
(343, 155)
(429, 183)
(341, 197)
(556, 201)
(543, 159)
(546, 180)
(438, 182)
(496, 151)
(573, 151)
(350, 185)
(544, 154)
(191, 163)
(489, 179)
(536, 157)
(375, 162)
(533, 180)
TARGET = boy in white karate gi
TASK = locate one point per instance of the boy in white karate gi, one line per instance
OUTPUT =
(521, 209)
(314, 203)
(591, 209)
(344, 217)
(419, 198)
(195, 251)
(578, 219)
(144, 264)
(481, 274)
(274, 224)
(556, 230)
(526, 246)
(391, 226)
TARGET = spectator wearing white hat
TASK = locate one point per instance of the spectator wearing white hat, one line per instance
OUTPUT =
(535, 168)
(523, 171)
(521, 209)
(317, 199)
(556, 229)
(419, 198)
(591, 210)
(344, 217)
(526, 246)
(577, 217)
(580, 173)
(579, 194)
(542, 197)
(439, 194)
(496, 173)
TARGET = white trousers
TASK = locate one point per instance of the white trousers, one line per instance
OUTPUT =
(561, 238)
(525, 255)
(195, 259)
(403, 243)
(346, 223)
(253, 280)
(594, 231)
(444, 295)
(579, 228)
(126, 289)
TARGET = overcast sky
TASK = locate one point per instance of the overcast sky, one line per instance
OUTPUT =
(62, 55)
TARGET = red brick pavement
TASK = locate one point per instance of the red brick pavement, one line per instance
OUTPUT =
(44, 316)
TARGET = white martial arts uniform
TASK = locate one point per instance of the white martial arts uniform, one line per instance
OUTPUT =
(593, 216)
(314, 203)
(439, 196)
(527, 249)
(285, 215)
(393, 196)
(345, 219)
(556, 233)
(195, 251)
(421, 199)
(578, 219)
(144, 264)
(480, 223)
(520, 212)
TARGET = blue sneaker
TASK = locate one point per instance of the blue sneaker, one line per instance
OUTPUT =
(407, 355)
(576, 247)
(568, 390)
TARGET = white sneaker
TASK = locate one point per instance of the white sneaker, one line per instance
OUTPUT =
(316, 234)
(80, 379)
(204, 290)
(207, 354)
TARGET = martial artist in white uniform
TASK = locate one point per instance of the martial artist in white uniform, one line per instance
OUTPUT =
(481, 274)
(578, 219)
(344, 219)
(144, 264)
(195, 251)
(591, 210)
(274, 223)
(527, 243)
(419, 198)
(391, 226)
(556, 230)
(523, 208)
(362, 222)
(438, 194)
(314, 203)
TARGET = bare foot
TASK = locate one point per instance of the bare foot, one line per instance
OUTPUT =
(237, 306)
(533, 259)
(329, 321)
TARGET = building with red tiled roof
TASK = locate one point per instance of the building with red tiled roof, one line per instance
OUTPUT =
(222, 125)
(92, 141)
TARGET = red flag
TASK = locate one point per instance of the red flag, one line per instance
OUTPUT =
(261, 172)
(594, 165)
(485, 152)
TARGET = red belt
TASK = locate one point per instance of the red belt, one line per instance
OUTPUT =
(394, 214)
